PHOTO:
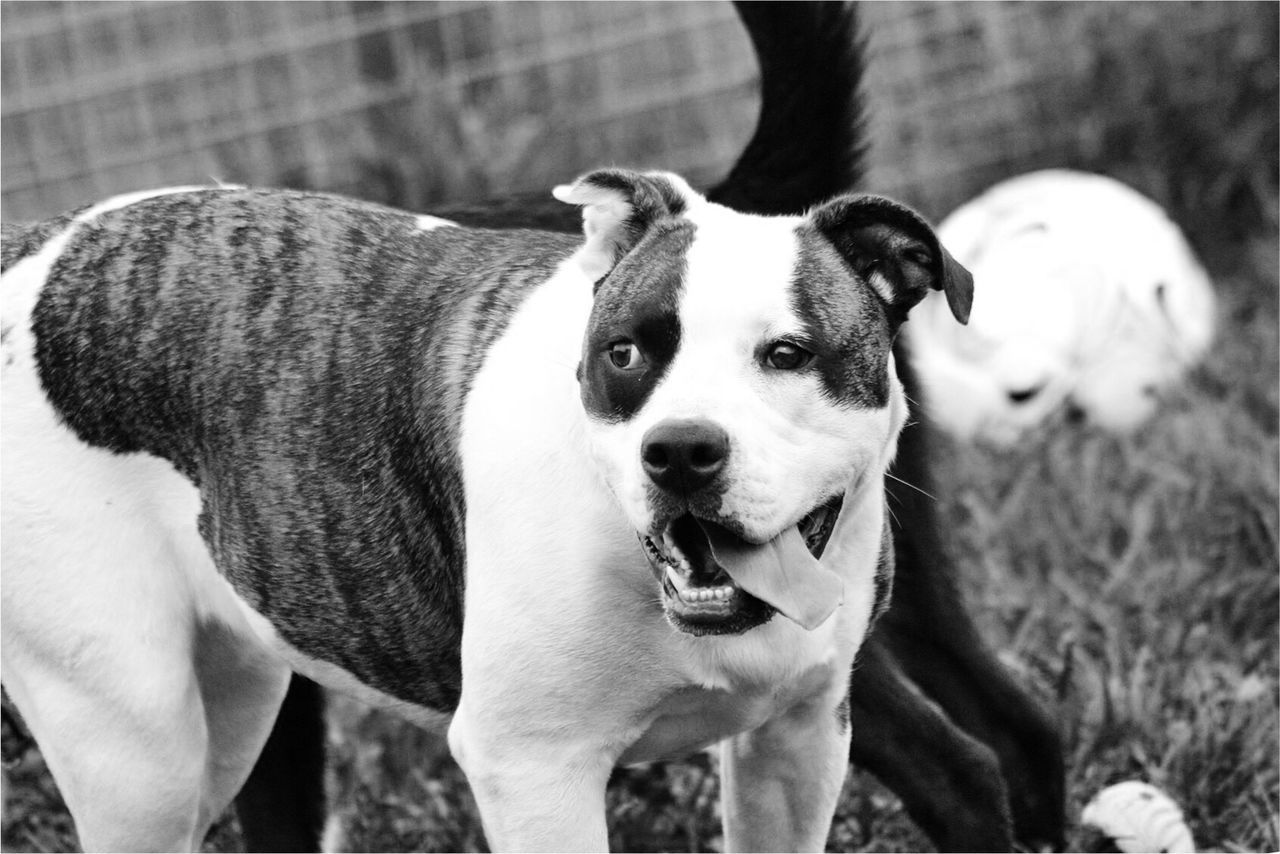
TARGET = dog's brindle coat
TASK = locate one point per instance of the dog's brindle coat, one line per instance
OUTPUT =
(329, 486)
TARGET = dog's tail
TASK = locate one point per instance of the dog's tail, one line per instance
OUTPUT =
(809, 143)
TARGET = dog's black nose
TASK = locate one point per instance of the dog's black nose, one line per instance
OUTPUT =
(685, 455)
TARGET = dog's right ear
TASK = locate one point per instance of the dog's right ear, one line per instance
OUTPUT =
(618, 206)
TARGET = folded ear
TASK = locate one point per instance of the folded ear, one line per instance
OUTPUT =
(896, 251)
(618, 207)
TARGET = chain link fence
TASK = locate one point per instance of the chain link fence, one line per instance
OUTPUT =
(412, 103)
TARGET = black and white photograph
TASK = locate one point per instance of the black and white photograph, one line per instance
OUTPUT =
(655, 426)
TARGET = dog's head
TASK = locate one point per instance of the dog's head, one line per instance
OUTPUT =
(738, 379)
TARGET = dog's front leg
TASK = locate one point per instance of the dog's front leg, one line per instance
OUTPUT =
(782, 780)
(535, 793)
(547, 703)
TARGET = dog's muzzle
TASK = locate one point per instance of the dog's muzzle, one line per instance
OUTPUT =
(713, 580)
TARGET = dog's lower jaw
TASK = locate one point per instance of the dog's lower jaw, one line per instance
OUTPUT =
(704, 599)
(741, 613)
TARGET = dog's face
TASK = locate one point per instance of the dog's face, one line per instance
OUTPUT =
(737, 377)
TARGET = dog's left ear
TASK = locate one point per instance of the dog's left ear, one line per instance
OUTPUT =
(618, 207)
(896, 251)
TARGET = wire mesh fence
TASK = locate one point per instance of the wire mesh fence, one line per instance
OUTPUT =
(417, 102)
(450, 98)
(965, 94)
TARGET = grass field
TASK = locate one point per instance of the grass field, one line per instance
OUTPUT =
(1132, 581)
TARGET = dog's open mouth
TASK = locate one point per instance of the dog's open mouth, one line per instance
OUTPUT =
(714, 582)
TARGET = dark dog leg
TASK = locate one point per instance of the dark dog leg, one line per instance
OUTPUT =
(943, 656)
(282, 804)
(937, 646)
(949, 782)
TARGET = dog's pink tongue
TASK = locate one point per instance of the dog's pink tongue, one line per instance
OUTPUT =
(780, 572)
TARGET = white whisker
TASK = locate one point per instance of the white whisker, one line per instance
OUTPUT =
(911, 485)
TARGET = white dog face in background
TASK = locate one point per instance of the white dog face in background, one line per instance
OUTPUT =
(1087, 296)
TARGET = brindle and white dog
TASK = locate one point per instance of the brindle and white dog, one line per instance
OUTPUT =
(583, 502)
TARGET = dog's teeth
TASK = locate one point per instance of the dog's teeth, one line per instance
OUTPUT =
(696, 595)
(675, 580)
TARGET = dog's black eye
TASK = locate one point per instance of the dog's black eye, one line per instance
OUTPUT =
(626, 355)
(785, 356)
(1022, 395)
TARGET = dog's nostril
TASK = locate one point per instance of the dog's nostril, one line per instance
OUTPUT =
(654, 454)
(706, 454)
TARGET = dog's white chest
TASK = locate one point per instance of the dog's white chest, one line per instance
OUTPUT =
(691, 719)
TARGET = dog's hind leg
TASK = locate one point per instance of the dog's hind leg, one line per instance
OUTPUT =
(949, 782)
(149, 725)
(242, 686)
(282, 805)
(129, 769)
(145, 688)
(148, 713)
(127, 655)
(945, 658)
(147, 757)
